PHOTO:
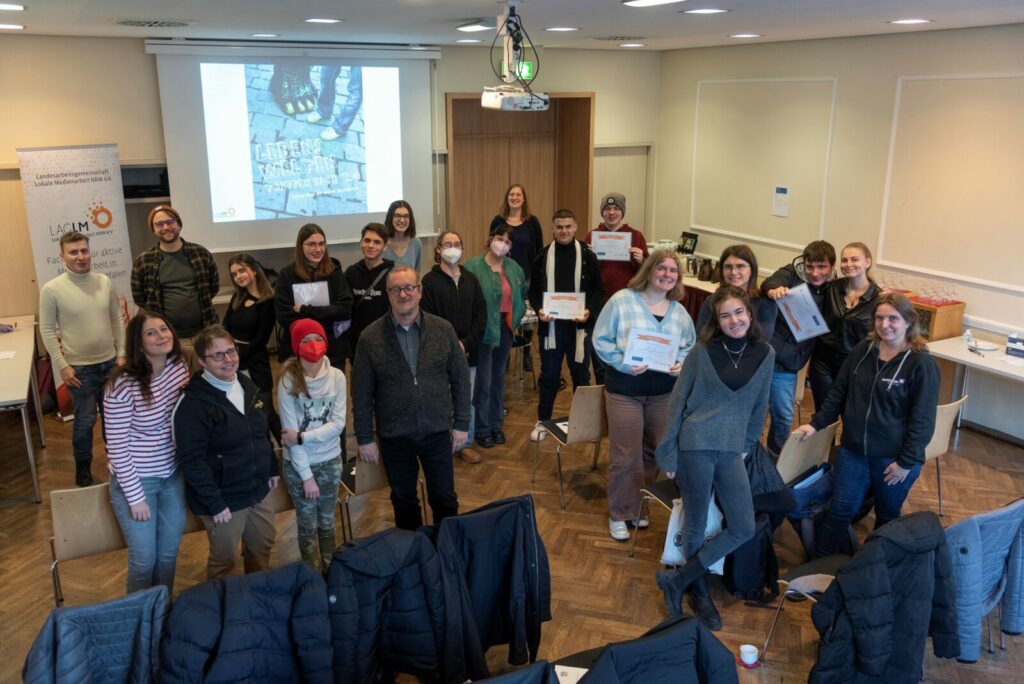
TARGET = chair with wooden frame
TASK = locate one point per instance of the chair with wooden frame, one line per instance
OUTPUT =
(360, 477)
(587, 422)
(945, 418)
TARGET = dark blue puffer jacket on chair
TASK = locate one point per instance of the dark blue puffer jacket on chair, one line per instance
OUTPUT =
(264, 627)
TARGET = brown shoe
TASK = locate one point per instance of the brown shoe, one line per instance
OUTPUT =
(470, 456)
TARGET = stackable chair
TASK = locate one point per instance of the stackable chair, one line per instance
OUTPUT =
(359, 477)
(945, 418)
(662, 492)
(587, 422)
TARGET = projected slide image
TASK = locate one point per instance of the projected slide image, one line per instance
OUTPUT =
(301, 140)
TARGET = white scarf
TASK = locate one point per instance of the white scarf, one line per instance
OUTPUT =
(549, 266)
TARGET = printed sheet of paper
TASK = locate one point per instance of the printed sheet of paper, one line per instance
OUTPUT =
(569, 675)
(611, 245)
(801, 313)
(653, 349)
(565, 306)
(311, 294)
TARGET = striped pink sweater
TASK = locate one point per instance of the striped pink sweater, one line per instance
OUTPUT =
(139, 440)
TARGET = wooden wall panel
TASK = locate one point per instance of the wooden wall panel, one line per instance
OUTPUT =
(532, 164)
(574, 175)
(475, 190)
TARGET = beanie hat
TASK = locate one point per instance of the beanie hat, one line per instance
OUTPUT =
(614, 199)
(303, 327)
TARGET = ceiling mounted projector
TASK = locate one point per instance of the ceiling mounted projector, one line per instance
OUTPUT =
(514, 99)
(516, 71)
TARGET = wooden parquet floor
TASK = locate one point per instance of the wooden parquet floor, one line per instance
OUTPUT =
(600, 594)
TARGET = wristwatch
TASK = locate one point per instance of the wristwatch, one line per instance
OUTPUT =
(299, 438)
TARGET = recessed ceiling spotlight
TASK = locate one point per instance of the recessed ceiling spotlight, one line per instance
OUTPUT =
(475, 25)
(264, 35)
(11, 27)
(469, 40)
(706, 10)
(11, 7)
(633, 45)
(649, 3)
(744, 35)
(321, 20)
(911, 21)
(562, 28)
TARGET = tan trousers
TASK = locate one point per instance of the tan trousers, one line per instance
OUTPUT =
(253, 527)
(635, 426)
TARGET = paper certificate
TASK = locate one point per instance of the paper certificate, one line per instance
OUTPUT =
(311, 294)
(610, 245)
(566, 306)
(653, 349)
(801, 313)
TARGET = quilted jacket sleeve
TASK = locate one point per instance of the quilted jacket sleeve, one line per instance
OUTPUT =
(942, 628)
(868, 593)
(965, 541)
(310, 627)
(1012, 619)
(192, 633)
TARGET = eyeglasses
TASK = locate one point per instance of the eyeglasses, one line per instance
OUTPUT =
(735, 267)
(166, 223)
(407, 289)
(401, 217)
(450, 245)
(223, 355)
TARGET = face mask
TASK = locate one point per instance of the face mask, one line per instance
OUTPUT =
(312, 351)
(499, 248)
(451, 255)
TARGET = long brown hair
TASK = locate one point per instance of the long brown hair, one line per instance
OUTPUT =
(506, 210)
(324, 268)
(136, 363)
(292, 372)
(712, 330)
(639, 282)
(389, 219)
(908, 313)
(743, 253)
(262, 284)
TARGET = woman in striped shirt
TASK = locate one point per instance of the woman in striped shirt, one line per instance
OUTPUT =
(147, 491)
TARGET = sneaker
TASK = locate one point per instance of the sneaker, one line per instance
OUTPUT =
(329, 134)
(643, 523)
(539, 432)
(618, 530)
(313, 117)
(499, 437)
(485, 441)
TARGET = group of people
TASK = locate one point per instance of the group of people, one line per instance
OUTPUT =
(189, 416)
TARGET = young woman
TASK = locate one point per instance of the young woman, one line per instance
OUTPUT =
(312, 398)
(366, 279)
(886, 393)
(454, 294)
(504, 287)
(739, 269)
(524, 228)
(847, 312)
(713, 420)
(313, 264)
(147, 491)
(403, 245)
(635, 396)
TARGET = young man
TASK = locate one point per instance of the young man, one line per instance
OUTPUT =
(565, 265)
(366, 280)
(176, 278)
(817, 261)
(615, 275)
(410, 381)
(84, 306)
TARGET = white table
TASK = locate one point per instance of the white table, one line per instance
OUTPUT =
(17, 380)
(955, 349)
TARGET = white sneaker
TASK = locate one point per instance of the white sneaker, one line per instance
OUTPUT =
(313, 117)
(643, 523)
(618, 530)
(329, 134)
(539, 432)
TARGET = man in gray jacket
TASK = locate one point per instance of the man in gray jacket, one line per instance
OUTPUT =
(410, 380)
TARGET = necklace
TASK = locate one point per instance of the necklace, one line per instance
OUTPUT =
(739, 355)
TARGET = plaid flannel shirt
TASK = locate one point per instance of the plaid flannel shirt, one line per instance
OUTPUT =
(626, 310)
(146, 279)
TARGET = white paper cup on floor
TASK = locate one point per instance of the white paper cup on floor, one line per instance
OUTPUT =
(748, 654)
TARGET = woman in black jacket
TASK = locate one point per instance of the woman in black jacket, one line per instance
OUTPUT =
(886, 393)
(229, 465)
(298, 294)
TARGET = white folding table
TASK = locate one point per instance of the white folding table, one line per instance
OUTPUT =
(17, 384)
(955, 349)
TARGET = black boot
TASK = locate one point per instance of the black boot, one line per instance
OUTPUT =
(673, 584)
(702, 605)
(83, 473)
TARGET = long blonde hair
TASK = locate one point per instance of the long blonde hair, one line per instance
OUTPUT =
(295, 377)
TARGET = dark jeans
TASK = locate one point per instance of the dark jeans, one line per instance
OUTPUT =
(700, 474)
(821, 377)
(86, 400)
(588, 345)
(551, 367)
(489, 393)
(780, 403)
(856, 475)
(403, 457)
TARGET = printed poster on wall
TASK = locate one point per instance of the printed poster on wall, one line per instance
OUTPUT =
(77, 188)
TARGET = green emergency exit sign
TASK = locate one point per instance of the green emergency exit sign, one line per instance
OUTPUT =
(525, 70)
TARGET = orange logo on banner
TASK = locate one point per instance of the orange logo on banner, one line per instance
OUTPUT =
(100, 215)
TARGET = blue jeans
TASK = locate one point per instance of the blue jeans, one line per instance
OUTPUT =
(152, 544)
(780, 400)
(489, 393)
(86, 400)
(856, 475)
(329, 93)
(551, 366)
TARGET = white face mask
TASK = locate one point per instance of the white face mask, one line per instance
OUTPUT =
(499, 248)
(451, 255)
